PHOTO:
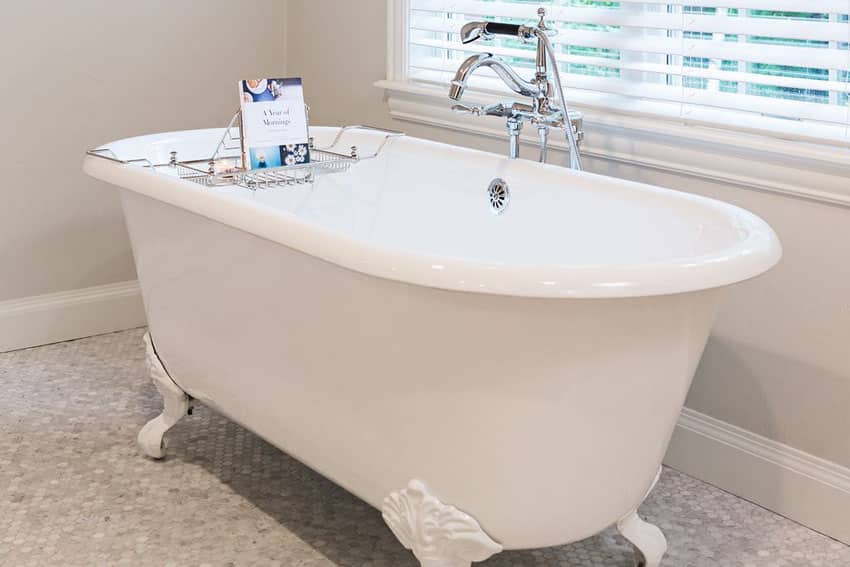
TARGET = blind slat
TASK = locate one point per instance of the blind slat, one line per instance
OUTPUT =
(818, 6)
(526, 10)
(450, 65)
(729, 51)
(816, 30)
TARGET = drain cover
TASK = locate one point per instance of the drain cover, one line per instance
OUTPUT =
(499, 195)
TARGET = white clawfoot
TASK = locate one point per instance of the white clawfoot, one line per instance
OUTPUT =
(439, 535)
(175, 406)
(649, 542)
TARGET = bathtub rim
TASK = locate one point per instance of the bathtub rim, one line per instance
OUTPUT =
(745, 259)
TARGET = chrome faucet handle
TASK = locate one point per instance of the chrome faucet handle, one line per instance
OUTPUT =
(529, 33)
(463, 109)
(541, 24)
(498, 109)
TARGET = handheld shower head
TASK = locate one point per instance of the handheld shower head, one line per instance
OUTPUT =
(473, 31)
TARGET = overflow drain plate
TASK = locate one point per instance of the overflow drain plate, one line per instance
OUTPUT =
(499, 195)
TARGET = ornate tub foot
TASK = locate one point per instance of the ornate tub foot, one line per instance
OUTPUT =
(439, 535)
(649, 542)
(175, 405)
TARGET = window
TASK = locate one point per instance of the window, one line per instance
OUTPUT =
(754, 64)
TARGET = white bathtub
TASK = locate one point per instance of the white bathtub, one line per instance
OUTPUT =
(489, 381)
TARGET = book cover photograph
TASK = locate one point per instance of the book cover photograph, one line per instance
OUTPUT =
(274, 123)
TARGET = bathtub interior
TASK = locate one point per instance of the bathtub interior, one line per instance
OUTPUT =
(431, 199)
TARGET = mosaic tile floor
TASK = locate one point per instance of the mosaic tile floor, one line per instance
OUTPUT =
(74, 491)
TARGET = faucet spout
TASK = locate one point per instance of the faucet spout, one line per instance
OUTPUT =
(508, 76)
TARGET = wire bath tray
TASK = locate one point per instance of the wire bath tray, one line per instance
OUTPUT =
(225, 165)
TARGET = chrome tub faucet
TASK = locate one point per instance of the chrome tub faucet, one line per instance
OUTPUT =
(540, 112)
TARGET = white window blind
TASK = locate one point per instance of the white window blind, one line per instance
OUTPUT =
(779, 65)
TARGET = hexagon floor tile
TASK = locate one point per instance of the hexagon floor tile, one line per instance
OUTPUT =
(74, 490)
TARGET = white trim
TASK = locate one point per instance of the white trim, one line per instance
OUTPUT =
(807, 489)
(66, 315)
(397, 33)
(788, 167)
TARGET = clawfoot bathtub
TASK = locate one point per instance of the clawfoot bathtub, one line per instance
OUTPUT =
(488, 381)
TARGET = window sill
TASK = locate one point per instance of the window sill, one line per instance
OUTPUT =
(791, 167)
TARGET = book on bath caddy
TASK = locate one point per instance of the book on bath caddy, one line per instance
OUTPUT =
(274, 123)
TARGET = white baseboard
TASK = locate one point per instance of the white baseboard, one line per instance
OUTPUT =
(66, 315)
(807, 489)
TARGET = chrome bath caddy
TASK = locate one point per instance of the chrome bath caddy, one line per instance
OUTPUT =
(226, 164)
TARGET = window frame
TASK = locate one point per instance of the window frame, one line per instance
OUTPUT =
(612, 130)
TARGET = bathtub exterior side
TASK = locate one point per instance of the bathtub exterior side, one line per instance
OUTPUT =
(545, 419)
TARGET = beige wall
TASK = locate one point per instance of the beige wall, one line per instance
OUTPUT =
(78, 74)
(778, 363)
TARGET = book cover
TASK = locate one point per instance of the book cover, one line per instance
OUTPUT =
(274, 123)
